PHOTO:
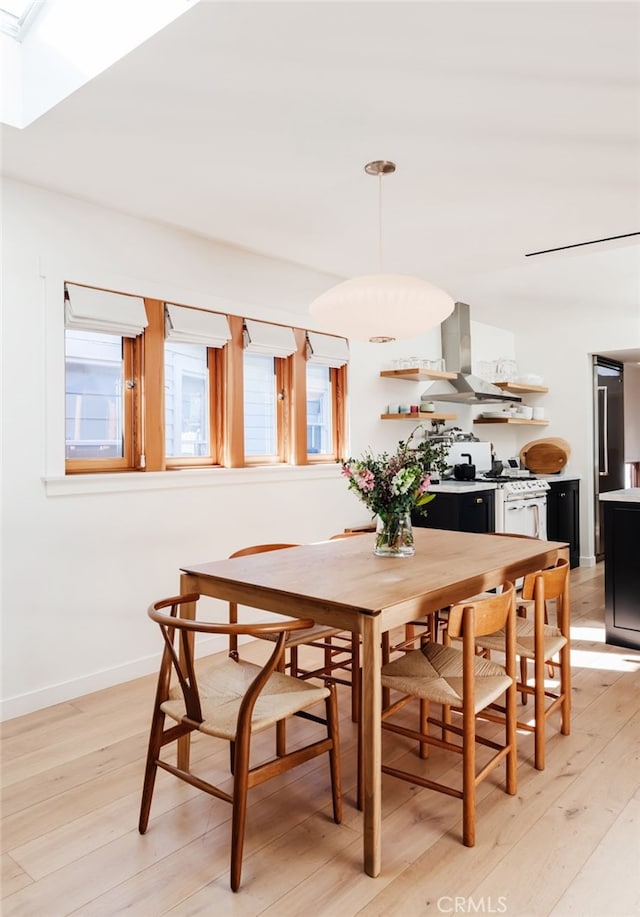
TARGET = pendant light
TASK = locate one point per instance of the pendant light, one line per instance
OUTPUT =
(381, 307)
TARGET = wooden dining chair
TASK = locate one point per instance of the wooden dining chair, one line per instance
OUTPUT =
(340, 649)
(232, 700)
(416, 633)
(547, 645)
(463, 683)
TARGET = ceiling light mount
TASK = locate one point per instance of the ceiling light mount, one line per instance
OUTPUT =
(380, 167)
(381, 307)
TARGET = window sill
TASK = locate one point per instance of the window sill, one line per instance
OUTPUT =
(176, 479)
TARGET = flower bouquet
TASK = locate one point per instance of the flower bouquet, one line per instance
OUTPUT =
(393, 485)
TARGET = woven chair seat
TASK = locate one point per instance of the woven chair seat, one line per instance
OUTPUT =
(435, 673)
(222, 688)
(539, 591)
(232, 700)
(464, 684)
(553, 640)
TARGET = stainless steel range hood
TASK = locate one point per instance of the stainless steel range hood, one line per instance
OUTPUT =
(456, 350)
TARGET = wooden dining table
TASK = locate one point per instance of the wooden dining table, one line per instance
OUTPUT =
(344, 584)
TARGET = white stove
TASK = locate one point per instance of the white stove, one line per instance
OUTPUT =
(521, 507)
(522, 487)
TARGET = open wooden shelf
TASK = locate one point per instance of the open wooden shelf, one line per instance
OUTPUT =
(416, 374)
(422, 415)
(521, 388)
(521, 420)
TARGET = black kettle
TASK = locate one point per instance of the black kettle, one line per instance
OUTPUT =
(466, 472)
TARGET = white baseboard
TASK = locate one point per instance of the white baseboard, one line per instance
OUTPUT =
(69, 690)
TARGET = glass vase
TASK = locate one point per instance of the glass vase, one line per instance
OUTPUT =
(394, 535)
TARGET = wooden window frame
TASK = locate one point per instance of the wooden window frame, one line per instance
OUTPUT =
(144, 419)
(152, 402)
(131, 386)
(154, 405)
(282, 386)
(200, 461)
(338, 382)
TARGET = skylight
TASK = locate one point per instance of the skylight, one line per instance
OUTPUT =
(15, 15)
(49, 49)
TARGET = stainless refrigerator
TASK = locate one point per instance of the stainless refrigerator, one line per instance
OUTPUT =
(608, 394)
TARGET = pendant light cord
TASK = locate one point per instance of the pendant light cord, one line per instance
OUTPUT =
(380, 222)
(380, 167)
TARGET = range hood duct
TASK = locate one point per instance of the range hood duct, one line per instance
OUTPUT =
(456, 350)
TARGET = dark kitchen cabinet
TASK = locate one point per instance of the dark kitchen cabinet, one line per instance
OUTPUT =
(563, 516)
(621, 573)
(464, 512)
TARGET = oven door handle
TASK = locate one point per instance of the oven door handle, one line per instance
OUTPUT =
(536, 510)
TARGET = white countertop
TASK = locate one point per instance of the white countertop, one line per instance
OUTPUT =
(557, 477)
(457, 487)
(451, 486)
(630, 495)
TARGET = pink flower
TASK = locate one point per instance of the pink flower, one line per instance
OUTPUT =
(366, 480)
(346, 471)
(424, 485)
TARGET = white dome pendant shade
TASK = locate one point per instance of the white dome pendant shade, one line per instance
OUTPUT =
(382, 307)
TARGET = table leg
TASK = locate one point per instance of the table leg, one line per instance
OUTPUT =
(188, 611)
(372, 742)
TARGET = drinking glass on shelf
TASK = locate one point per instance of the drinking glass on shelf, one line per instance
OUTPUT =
(506, 370)
(487, 370)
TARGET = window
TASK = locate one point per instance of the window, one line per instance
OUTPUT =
(326, 358)
(95, 395)
(152, 386)
(267, 347)
(192, 338)
(101, 360)
(260, 418)
(319, 410)
(186, 401)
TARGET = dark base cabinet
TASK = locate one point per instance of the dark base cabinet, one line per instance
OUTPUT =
(470, 512)
(622, 573)
(563, 516)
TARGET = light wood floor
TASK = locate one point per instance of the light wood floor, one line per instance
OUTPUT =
(567, 844)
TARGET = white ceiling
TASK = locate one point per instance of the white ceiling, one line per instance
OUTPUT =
(515, 127)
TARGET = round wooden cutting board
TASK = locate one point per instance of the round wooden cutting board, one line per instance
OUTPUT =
(545, 456)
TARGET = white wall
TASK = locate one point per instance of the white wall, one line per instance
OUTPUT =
(80, 561)
(79, 569)
(82, 558)
(632, 412)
